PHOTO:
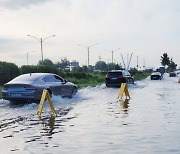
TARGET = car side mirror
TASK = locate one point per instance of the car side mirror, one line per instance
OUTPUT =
(64, 81)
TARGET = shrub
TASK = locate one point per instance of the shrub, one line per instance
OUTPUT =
(8, 71)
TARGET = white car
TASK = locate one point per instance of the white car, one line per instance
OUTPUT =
(156, 76)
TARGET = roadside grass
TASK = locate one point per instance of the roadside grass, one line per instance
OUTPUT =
(141, 75)
(94, 79)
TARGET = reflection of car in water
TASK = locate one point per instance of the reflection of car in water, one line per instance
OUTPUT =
(156, 76)
(30, 86)
(172, 74)
(116, 77)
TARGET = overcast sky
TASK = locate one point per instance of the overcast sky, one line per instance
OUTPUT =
(148, 28)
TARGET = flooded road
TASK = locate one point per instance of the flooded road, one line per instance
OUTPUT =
(94, 122)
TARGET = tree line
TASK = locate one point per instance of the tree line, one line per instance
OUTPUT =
(64, 65)
(168, 63)
(8, 71)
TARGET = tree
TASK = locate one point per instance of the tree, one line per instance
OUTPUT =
(46, 62)
(165, 59)
(64, 63)
(117, 67)
(172, 66)
(100, 65)
(77, 69)
(113, 66)
(8, 71)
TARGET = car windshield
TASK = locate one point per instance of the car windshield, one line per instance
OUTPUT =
(26, 77)
(115, 74)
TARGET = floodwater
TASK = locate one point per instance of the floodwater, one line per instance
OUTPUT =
(94, 122)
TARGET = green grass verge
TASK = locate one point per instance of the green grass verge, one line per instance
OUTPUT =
(93, 79)
(141, 75)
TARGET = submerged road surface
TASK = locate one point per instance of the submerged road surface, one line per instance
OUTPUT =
(94, 122)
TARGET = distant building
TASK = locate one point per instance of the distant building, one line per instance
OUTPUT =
(74, 63)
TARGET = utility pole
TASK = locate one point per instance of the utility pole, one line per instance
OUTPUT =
(41, 40)
(112, 53)
(137, 63)
(88, 46)
(144, 63)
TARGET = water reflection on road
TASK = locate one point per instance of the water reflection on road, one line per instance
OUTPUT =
(94, 122)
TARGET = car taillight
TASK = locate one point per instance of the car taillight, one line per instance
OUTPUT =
(120, 77)
(108, 77)
(30, 88)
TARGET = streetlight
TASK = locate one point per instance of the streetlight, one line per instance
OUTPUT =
(41, 40)
(88, 46)
(113, 53)
(28, 57)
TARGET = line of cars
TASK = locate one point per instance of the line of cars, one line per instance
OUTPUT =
(29, 86)
(158, 76)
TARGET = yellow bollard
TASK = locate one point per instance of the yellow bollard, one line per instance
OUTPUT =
(45, 95)
(123, 90)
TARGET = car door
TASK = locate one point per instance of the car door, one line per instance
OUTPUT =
(60, 86)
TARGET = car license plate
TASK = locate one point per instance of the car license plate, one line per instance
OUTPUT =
(15, 95)
(113, 78)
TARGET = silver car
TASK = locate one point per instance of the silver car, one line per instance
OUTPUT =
(29, 87)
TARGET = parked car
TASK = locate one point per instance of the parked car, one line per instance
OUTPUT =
(156, 76)
(116, 77)
(172, 74)
(29, 87)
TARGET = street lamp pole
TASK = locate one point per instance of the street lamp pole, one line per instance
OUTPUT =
(112, 53)
(88, 50)
(41, 40)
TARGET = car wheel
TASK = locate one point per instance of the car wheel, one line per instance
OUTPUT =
(131, 81)
(73, 92)
(107, 85)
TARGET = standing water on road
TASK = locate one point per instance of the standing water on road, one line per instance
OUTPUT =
(94, 122)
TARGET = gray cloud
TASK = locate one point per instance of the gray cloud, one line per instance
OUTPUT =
(17, 4)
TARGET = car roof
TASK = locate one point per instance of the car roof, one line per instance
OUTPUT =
(117, 71)
(30, 77)
(35, 75)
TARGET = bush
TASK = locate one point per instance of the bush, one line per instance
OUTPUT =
(8, 71)
(38, 69)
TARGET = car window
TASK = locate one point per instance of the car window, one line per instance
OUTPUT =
(49, 78)
(115, 74)
(26, 77)
(58, 79)
(126, 73)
